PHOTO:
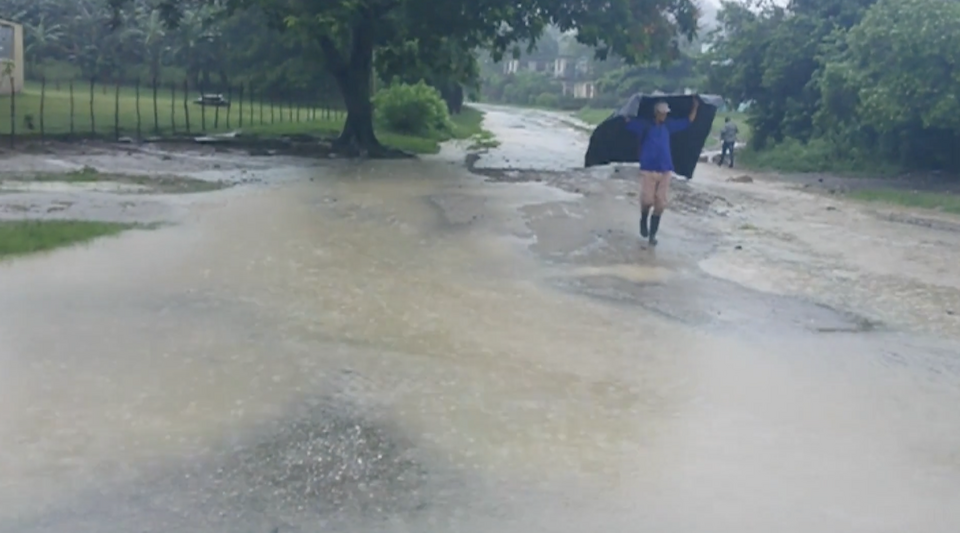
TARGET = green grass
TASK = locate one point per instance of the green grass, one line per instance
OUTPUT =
(161, 184)
(816, 156)
(170, 111)
(593, 116)
(938, 201)
(466, 125)
(83, 175)
(30, 236)
(279, 119)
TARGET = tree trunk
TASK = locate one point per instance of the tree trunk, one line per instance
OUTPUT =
(353, 71)
(357, 135)
(354, 79)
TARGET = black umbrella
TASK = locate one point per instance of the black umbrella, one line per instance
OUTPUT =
(611, 142)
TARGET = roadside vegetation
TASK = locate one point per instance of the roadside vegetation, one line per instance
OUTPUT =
(942, 202)
(19, 237)
(402, 120)
(862, 87)
(410, 117)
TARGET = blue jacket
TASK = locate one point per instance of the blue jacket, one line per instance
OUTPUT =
(655, 150)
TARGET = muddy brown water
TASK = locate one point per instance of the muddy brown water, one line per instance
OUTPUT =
(405, 346)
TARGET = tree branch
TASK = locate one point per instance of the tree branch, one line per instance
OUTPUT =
(331, 54)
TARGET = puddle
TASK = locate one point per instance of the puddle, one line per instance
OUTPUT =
(372, 350)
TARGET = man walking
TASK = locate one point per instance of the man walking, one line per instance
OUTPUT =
(728, 136)
(656, 163)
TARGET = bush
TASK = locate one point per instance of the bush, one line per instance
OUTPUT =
(413, 109)
(547, 100)
(817, 155)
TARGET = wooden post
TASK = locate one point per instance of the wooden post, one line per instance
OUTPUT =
(116, 111)
(173, 108)
(93, 121)
(137, 103)
(186, 104)
(71, 108)
(203, 112)
(272, 117)
(241, 105)
(261, 109)
(156, 110)
(251, 104)
(229, 103)
(43, 98)
(13, 114)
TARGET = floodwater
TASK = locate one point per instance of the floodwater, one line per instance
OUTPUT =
(402, 346)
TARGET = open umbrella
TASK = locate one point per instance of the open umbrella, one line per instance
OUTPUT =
(611, 142)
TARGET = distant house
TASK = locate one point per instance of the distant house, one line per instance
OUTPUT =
(575, 76)
(11, 57)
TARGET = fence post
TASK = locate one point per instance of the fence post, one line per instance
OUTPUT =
(173, 109)
(250, 86)
(298, 110)
(93, 121)
(261, 108)
(241, 106)
(186, 106)
(156, 110)
(229, 103)
(116, 110)
(43, 98)
(203, 112)
(13, 114)
(137, 103)
(272, 117)
(71, 108)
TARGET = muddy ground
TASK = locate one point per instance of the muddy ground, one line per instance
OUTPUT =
(409, 346)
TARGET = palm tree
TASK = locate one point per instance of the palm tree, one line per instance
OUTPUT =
(40, 38)
(151, 33)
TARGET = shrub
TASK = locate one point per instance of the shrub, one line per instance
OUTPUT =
(547, 100)
(413, 109)
(817, 155)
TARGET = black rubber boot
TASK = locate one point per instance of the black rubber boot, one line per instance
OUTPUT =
(643, 223)
(654, 226)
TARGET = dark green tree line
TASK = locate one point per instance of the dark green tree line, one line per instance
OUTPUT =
(349, 34)
(862, 80)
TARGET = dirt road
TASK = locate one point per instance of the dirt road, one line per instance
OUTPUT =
(407, 346)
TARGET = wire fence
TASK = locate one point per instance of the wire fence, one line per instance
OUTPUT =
(77, 109)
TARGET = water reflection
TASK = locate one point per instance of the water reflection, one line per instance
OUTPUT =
(334, 352)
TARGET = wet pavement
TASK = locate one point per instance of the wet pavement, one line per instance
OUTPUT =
(408, 346)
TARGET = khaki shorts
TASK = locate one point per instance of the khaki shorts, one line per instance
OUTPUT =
(654, 187)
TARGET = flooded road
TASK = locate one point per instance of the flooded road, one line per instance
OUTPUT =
(405, 346)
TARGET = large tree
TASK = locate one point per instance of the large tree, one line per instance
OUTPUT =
(349, 32)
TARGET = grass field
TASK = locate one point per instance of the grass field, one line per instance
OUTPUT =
(943, 202)
(30, 236)
(593, 116)
(466, 125)
(111, 113)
